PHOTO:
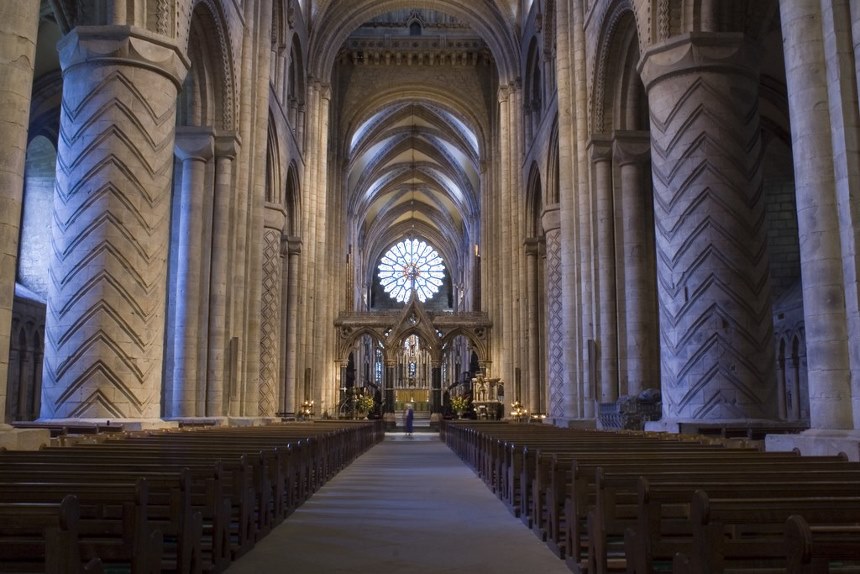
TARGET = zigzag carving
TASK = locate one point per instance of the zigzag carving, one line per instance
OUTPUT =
(111, 222)
(77, 188)
(114, 135)
(90, 312)
(713, 276)
(100, 368)
(108, 193)
(102, 405)
(107, 85)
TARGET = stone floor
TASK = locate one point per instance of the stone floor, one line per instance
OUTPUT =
(409, 506)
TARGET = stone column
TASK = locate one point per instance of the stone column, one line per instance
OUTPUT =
(436, 387)
(714, 282)
(389, 385)
(632, 153)
(106, 299)
(270, 311)
(554, 306)
(604, 237)
(19, 24)
(532, 248)
(194, 148)
(817, 217)
(294, 249)
(226, 147)
(503, 236)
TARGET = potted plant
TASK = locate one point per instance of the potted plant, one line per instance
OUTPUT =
(459, 404)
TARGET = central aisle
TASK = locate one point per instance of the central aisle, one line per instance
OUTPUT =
(406, 506)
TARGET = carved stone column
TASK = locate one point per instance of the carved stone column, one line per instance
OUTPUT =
(270, 311)
(604, 236)
(632, 154)
(19, 24)
(714, 283)
(106, 300)
(194, 148)
(554, 306)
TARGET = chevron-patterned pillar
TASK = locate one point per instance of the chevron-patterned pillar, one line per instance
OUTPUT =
(712, 266)
(106, 298)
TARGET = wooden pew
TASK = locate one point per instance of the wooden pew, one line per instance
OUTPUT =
(41, 537)
(113, 522)
(663, 503)
(811, 549)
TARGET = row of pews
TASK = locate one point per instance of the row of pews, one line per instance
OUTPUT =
(644, 503)
(184, 501)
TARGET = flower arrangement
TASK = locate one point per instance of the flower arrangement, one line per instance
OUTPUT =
(364, 403)
(459, 403)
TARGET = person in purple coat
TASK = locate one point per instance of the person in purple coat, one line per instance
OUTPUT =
(410, 416)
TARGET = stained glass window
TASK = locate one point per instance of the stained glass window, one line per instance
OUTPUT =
(411, 265)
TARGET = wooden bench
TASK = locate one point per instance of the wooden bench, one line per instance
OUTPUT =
(42, 537)
(811, 549)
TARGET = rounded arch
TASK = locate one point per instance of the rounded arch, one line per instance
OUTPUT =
(292, 200)
(338, 19)
(534, 203)
(619, 101)
(208, 94)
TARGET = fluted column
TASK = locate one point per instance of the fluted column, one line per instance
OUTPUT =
(19, 23)
(226, 147)
(607, 308)
(194, 148)
(632, 154)
(532, 249)
(712, 264)
(294, 249)
(818, 215)
(106, 298)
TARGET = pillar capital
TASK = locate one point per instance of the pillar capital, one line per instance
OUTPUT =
(600, 147)
(698, 52)
(275, 216)
(194, 143)
(123, 46)
(631, 147)
(533, 246)
(227, 145)
(551, 218)
(292, 245)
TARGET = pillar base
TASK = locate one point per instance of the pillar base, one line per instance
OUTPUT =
(585, 424)
(127, 424)
(817, 442)
(23, 439)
